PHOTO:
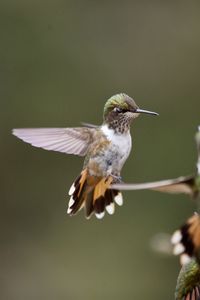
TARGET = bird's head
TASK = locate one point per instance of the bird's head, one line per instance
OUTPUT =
(120, 110)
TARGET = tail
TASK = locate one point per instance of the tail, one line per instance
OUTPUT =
(94, 194)
(186, 240)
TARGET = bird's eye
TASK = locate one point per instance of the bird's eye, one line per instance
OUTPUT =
(118, 109)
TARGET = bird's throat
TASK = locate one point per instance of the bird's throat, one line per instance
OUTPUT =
(119, 126)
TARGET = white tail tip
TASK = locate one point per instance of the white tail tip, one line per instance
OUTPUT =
(110, 208)
(176, 237)
(178, 249)
(119, 199)
(71, 190)
(100, 215)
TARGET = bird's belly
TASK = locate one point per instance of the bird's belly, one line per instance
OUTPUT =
(111, 159)
(119, 156)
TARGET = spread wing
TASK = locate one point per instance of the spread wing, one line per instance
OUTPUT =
(183, 184)
(67, 140)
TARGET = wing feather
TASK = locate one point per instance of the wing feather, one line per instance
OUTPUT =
(181, 184)
(67, 140)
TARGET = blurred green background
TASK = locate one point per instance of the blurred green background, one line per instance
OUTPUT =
(60, 61)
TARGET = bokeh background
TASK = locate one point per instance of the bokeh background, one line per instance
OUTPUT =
(59, 62)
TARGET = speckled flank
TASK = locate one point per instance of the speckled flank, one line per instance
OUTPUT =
(108, 153)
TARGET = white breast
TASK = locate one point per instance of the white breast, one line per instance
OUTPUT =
(121, 144)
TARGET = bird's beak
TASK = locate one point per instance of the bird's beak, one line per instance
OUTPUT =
(143, 111)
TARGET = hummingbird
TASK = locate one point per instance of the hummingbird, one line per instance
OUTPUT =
(186, 240)
(105, 148)
(188, 282)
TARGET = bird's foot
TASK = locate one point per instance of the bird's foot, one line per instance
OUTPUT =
(117, 179)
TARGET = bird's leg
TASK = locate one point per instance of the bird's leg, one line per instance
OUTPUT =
(117, 179)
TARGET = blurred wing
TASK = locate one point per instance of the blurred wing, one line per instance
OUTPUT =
(174, 186)
(67, 140)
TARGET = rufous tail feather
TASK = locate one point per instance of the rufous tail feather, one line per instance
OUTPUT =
(186, 240)
(94, 194)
